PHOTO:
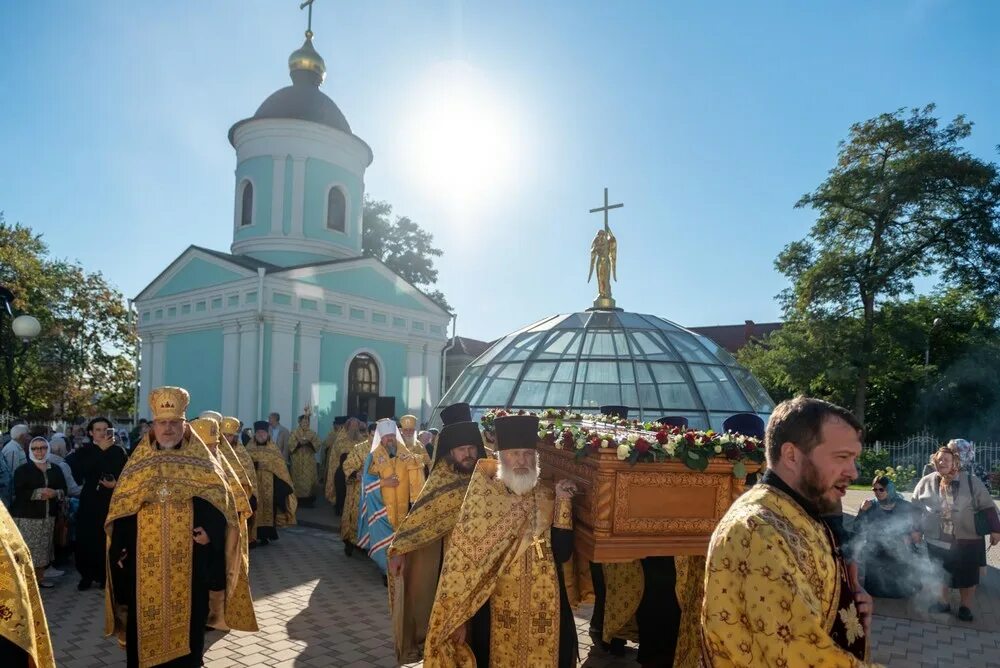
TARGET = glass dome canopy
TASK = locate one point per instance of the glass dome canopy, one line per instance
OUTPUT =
(582, 361)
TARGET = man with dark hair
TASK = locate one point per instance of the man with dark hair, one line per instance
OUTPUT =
(777, 590)
(279, 435)
(97, 465)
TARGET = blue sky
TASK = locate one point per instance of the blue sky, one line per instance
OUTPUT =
(708, 120)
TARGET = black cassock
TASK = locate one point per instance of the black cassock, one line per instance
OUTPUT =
(12, 656)
(339, 487)
(280, 491)
(479, 625)
(208, 573)
(88, 464)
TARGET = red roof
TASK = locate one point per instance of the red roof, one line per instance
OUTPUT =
(734, 337)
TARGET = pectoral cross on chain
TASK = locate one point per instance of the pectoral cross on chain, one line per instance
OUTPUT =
(537, 543)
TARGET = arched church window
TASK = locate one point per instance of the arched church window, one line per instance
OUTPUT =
(362, 385)
(246, 204)
(336, 210)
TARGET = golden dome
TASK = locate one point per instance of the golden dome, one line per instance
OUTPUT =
(305, 59)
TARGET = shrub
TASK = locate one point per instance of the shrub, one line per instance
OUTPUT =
(901, 476)
(869, 462)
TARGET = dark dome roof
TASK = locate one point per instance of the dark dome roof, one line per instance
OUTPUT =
(302, 100)
(305, 102)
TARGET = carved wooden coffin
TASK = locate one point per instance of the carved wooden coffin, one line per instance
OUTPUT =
(627, 511)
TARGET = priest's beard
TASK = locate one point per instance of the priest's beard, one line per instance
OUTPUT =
(817, 491)
(467, 465)
(519, 483)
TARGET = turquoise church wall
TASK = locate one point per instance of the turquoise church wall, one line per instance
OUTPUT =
(367, 282)
(196, 274)
(286, 210)
(266, 373)
(320, 175)
(193, 360)
(260, 171)
(336, 351)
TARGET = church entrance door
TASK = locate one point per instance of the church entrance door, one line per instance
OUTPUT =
(363, 386)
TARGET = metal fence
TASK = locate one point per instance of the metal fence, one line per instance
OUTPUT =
(916, 451)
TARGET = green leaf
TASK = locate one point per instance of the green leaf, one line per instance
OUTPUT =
(739, 470)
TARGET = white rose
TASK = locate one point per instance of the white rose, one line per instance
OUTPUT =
(623, 451)
(604, 443)
(670, 448)
(718, 449)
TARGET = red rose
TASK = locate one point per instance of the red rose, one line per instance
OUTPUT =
(689, 437)
(732, 452)
(550, 438)
(642, 446)
(750, 446)
(567, 439)
(662, 437)
(501, 413)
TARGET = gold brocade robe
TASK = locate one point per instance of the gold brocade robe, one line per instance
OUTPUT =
(242, 464)
(158, 487)
(417, 474)
(352, 503)
(499, 551)
(22, 617)
(405, 466)
(269, 465)
(237, 486)
(304, 444)
(775, 595)
(338, 443)
(421, 537)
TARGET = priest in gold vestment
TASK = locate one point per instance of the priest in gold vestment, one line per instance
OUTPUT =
(501, 600)
(352, 465)
(207, 429)
(24, 633)
(173, 536)
(276, 501)
(418, 475)
(304, 444)
(777, 591)
(345, 436)
(418, 546)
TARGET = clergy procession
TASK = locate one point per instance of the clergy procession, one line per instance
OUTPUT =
(248, 429)
(474, 536)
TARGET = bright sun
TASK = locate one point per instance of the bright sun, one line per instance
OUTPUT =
(462, 140)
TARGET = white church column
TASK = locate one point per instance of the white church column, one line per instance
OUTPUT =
(298, 194)
(309, 339)
(425, 366)
(277, 194)
(433, 379)
(145, 375)
(281, 365)
(246, 405)
(158, 354)
(230, 367)
(414, 379)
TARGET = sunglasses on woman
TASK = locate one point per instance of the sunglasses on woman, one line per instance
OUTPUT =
(878, 489)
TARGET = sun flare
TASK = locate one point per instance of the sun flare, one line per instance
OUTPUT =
(463, 140)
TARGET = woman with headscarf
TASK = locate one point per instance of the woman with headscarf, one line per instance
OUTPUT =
(886, 529)
(39, 487)
(951, 499)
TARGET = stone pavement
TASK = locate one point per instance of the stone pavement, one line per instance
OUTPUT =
(317, 607)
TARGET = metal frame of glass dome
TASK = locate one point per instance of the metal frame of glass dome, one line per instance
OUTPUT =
(596, 358)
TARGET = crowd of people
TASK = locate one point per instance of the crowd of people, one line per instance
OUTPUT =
(477, 556)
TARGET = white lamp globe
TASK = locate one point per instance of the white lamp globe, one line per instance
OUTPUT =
(26, 327)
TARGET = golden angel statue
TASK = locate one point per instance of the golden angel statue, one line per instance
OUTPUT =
(604, 258)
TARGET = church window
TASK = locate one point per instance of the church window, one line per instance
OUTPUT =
(362, 385)
(336, 210)
(246, 204)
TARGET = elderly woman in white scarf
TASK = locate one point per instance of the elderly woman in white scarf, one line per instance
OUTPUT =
(39, 486)
(57, 455)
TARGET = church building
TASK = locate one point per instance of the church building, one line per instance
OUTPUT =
(293, 315)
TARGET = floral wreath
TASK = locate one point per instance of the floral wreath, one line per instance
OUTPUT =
(637, 441)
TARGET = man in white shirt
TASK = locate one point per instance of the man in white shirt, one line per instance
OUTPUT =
(279, 434)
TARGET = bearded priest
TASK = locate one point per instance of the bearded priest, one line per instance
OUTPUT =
(276, 502)
(173, 536)
(501, 600)
(353, 463)
(305, 445)
(418, 547)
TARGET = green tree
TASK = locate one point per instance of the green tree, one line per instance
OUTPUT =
(82, 361)
(903, 201)
(957, 393)
(403, 246)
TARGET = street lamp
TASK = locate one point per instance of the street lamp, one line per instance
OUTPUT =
(25, 328)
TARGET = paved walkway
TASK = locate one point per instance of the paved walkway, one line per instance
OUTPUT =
(317, 607)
